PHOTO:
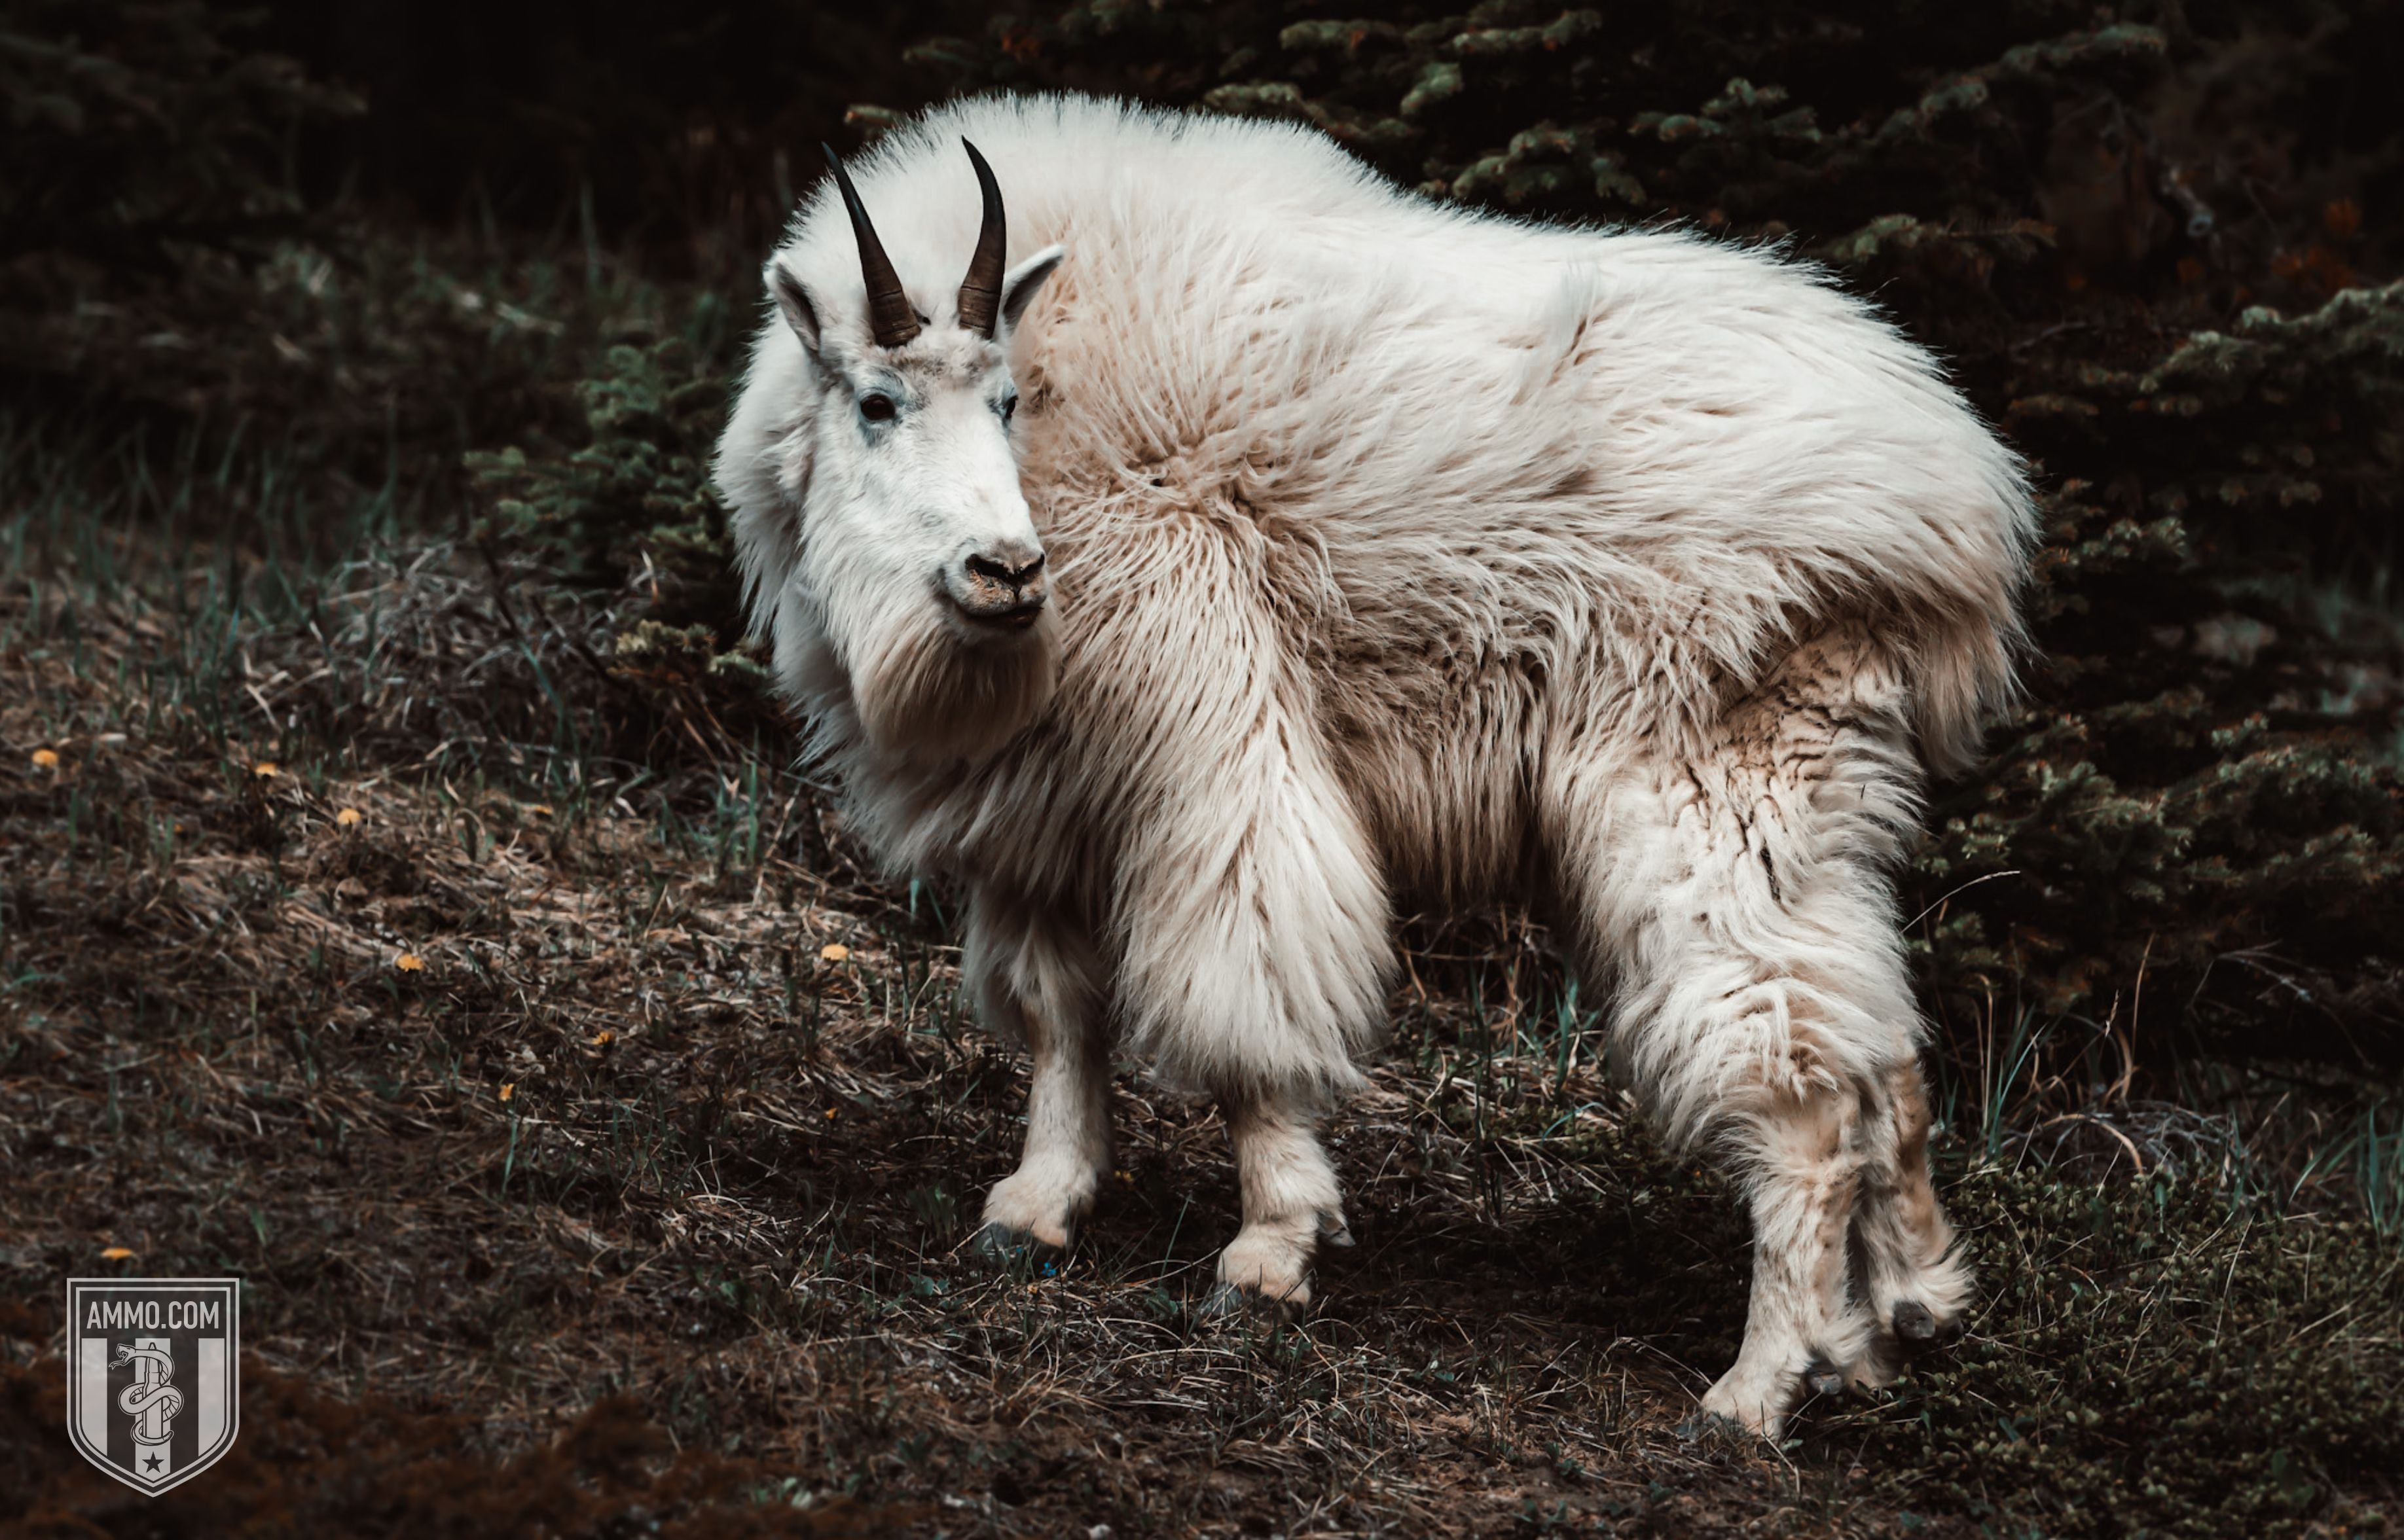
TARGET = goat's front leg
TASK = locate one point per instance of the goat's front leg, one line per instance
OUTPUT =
(1292, 1204)
(1250, 912)
(1035, 978)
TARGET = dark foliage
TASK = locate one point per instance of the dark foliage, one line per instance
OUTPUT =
(635, 498)
(134, 129)
(682, 130)
(141, 140)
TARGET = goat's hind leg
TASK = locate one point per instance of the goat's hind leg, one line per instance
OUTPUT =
(1915, 1278)
(1739, 889)
(1800, 1157)
(1736, 1023)
(1036, 980)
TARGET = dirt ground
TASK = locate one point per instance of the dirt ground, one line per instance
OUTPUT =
(595, 1139)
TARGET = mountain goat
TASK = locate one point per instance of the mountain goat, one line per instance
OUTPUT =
(1302, 549)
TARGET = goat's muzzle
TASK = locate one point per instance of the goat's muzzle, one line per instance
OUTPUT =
(1004, 589)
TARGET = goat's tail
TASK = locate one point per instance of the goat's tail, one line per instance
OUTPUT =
(1963, 672)
(1961, 636)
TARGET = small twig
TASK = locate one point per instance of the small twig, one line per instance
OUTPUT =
(2130, 1144)
(2120, 1092)
(1965, 887)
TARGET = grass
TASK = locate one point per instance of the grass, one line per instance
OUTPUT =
(637, 1202)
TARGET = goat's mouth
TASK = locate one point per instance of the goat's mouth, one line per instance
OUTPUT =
(1001, 617)
(1001, 589)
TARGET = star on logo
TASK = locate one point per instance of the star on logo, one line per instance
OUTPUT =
(151, 1463)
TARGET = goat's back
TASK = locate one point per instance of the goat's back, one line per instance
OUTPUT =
(1495, 483)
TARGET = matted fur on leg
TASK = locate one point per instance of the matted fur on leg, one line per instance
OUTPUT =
(1740, 900)
(1800, 1163)
(1912, 1273)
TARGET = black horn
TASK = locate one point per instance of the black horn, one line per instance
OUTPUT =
(890, 315)
(981, 290)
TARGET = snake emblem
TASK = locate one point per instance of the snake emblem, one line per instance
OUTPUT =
(149, 1400)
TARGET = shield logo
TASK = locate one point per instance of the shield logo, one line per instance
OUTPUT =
(152, 1379)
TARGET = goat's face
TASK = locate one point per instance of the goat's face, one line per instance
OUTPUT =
(914, 493)
(918, 558)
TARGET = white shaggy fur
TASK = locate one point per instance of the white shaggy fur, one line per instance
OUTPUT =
(1399, 556)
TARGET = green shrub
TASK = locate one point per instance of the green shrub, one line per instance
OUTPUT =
(634, 498)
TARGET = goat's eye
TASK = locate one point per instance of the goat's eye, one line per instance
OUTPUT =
(1009, 409)
(877, 407)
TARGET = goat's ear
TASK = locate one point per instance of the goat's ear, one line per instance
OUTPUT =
(793, 303)
(1018, 285)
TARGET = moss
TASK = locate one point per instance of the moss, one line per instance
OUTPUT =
(2149, 1358)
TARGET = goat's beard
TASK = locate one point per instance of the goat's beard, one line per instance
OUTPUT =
(925, 693)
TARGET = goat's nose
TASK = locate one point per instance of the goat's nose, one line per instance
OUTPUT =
(1012, 566)
(1002, 583)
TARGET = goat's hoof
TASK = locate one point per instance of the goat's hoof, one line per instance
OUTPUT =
(1231, 1301)
(1823, 1377)
(1916, 1328)
(1714, 1427)
(999, 1243)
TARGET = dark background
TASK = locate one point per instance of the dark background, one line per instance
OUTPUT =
(669, 118)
